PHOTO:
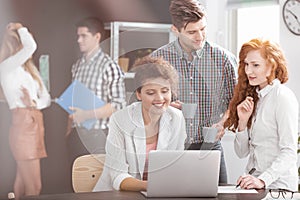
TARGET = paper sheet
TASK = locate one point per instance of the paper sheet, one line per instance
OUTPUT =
(233, 189)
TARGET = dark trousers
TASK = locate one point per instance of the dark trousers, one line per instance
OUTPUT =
(212, 146)
(82, 141)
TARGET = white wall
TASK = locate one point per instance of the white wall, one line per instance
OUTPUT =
(216, 19)
(235, 166)
(290, 43)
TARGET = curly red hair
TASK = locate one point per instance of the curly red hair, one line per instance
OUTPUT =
(274, 56)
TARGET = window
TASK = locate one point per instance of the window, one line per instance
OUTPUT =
(252, 22)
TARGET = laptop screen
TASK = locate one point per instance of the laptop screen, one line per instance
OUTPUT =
(192, 173)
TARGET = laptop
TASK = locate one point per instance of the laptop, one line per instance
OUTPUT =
(191, 173)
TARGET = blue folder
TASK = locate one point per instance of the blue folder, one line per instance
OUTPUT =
(78, 95)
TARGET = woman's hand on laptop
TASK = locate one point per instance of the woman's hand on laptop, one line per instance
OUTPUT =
(133, 184)
(250, 182)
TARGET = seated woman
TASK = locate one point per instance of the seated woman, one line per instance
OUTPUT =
(264, 115)
(146, 125)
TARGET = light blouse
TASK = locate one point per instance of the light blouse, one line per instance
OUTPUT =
(13, 76)
(126, 143)
(271, 143)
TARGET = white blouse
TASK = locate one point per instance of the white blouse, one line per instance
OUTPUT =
(271, 143)
(126, 143)
(13, 76)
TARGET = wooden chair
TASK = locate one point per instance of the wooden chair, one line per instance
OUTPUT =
(86, 171)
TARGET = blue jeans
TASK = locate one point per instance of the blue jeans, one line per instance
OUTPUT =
(212, 146)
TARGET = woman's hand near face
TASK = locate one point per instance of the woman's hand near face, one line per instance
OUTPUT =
(244, 110)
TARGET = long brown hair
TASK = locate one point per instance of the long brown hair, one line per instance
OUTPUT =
(11, 44)
(274, 56)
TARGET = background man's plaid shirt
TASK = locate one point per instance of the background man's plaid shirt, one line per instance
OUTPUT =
(104, 77)
(208, 81)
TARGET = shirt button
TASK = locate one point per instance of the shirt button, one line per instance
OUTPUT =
(191, 78)
(191, 93)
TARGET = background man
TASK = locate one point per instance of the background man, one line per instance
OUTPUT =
(206, 71)
(103, 76)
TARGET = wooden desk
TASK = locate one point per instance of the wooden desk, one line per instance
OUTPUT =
(136, 195)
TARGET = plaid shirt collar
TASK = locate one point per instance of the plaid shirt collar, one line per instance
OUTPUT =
(198, 53)
(93, 57)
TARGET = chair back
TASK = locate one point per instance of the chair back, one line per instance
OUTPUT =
(86, 171)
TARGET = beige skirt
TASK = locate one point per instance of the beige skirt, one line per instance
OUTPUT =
(26, 136)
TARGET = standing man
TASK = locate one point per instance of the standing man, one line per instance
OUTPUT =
(206, 71)
(97, 71)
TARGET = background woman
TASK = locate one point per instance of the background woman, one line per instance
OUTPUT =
(264, 115)
(146, 125)
(26, 95)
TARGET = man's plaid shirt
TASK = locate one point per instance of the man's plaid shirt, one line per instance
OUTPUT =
(104, 77)
(208, 80)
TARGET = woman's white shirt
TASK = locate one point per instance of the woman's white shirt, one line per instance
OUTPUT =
(13, 76)
(272, 141)
(126, 143)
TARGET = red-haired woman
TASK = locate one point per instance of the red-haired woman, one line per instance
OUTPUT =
(264, 115)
